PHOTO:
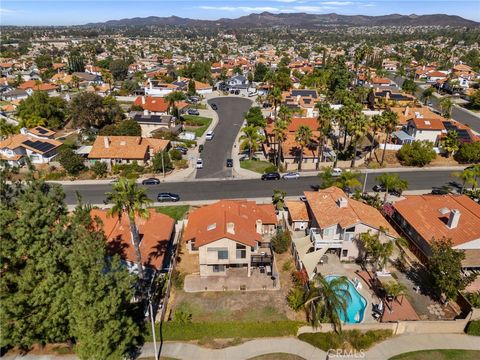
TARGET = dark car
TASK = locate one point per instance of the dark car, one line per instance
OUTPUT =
(229, 162)
(214, 106)
(182, 149)
(271, 176)
(193, 112)
(151, 181)
(440, 191)
(379, 188)
(168, 197)
(237, 92)
(200, 148)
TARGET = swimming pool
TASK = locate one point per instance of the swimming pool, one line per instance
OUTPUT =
(356, 305)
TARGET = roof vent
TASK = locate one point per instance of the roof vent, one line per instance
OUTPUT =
(123, 143)
(342, 202)
(444, 211)
(427, 122)
(211, 227)
(453, 219)
(231, 227)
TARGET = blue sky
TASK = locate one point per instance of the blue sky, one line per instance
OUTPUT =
(72, 12)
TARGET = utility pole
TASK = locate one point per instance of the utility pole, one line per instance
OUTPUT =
(150, 310)
(364, 182)
(163, 166)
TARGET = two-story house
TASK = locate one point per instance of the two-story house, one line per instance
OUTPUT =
(336, 222)
(36, 143)
(425, 129)
(231, 234)
(301, 101)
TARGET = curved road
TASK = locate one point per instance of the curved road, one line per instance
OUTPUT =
(216, 152)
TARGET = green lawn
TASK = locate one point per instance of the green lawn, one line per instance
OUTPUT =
(176, 212)
(439, 355)
(186, 331)
(277, 356)
(197, 124)
(346, 339)
(255, 165)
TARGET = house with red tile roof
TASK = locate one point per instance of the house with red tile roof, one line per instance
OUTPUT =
(154, 105)
(425, 129)
(156, 236)
(424, 218)
(231, 234)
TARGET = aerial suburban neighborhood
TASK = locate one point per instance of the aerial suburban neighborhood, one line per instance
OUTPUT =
(264, 180)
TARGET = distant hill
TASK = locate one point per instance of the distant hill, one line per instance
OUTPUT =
(299, 20)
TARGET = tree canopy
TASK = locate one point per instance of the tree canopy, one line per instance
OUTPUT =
(89, 109)
(40, 109)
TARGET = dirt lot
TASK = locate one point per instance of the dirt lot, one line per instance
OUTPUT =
(267, 305)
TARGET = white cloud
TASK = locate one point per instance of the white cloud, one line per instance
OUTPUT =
(6, 11)
(338, 3)
(288, 1)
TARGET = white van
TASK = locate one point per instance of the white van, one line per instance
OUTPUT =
(199, 164)
(336, 172)
(210, 135)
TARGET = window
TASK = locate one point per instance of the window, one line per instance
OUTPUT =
(241, 251)
(222, 254)
(218, 268)
(344, 253)
(328, 232)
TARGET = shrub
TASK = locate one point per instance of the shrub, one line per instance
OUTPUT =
(181, 164)
(70, 161)
(287, 266)
(130, 171)
(99, 169)
(175, 154)
(473, 328)
(474, 298)
(161, 161)
(346, 339)
(269, 169)
(468, 153)
(418, 153)
(295, 299)
(299, 278)
(281, 242)
(177, 279)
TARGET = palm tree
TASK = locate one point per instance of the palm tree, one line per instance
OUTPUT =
(450, 143)
(427, 95)
(390, 124)
(327, 299)
(251, 139)
(394, 289)
(324, 119)
(358, 128)
(275, 96)
(278, 199)
(348, 179)
(468, 176)
(303, 136)
(446, 104)
(173, 98)
(377, 123)
(279, 131)
(326, 177)
(127, 198)
(391, 182)
(76, 81)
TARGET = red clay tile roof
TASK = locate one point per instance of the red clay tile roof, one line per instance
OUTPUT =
(157, 104)
(428, 124)
(422, 212)
(125, 147)
(327, 212)
(209, 223)
(155, 233)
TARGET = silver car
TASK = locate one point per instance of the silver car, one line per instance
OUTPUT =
(291, 176)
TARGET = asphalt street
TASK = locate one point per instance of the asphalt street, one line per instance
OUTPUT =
(217, 151)
(458, 113)
(231, 189)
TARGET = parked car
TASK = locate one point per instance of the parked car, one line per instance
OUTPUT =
(214, 106)
(210, 135)
(291, 176)
(193, 98)
(379, 188)
(336, 172)
(229, 162)
(440, 191)
(271, 176)
(182, 149)
(151, 181)
(193, 112)
(252, 93)
(199, 164)
(237, 92)
(168, 197)
(200, 148)
(303, 198)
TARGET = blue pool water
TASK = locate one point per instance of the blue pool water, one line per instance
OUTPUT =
(356, 305)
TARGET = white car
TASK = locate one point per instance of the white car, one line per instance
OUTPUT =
(291, 176)
(252, 93)
(210, 135)
(199, 164)
(336, 172)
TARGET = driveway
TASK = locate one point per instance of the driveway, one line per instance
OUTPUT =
(217, 151)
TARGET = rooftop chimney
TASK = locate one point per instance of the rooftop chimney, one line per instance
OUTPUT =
(106, 142)
(259, 226)
(453, 219)
(143, 100)
(231, 227)
(407, 109)
(342, 202)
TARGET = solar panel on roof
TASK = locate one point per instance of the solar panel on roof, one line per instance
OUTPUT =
(39, 145)
(41, 130)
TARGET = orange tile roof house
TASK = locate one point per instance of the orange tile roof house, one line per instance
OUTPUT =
(35, 143)
(156, 235)
(125, 149)
(423, 218)
(231, 234)
(156, 105)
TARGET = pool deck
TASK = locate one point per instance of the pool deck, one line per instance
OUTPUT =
(334, 267)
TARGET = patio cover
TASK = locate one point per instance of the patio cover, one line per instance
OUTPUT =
(403, 136)
(309, 259)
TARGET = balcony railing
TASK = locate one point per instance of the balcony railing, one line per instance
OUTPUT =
(320, 242)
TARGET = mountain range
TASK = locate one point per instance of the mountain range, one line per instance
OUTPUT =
(298, 20)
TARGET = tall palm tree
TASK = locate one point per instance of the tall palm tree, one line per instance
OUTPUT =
(275, 96)
(327, 299)
(348, 179)
(129, 199)
(391, 182)
(358, 127)
(303, 137)
(324, 119)
(377, 123)
(390, 124)
(468, 176)
(427, 95)
(251, 139)
(173, 98)
(279, 131)
(394, 289)
(446, 104)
